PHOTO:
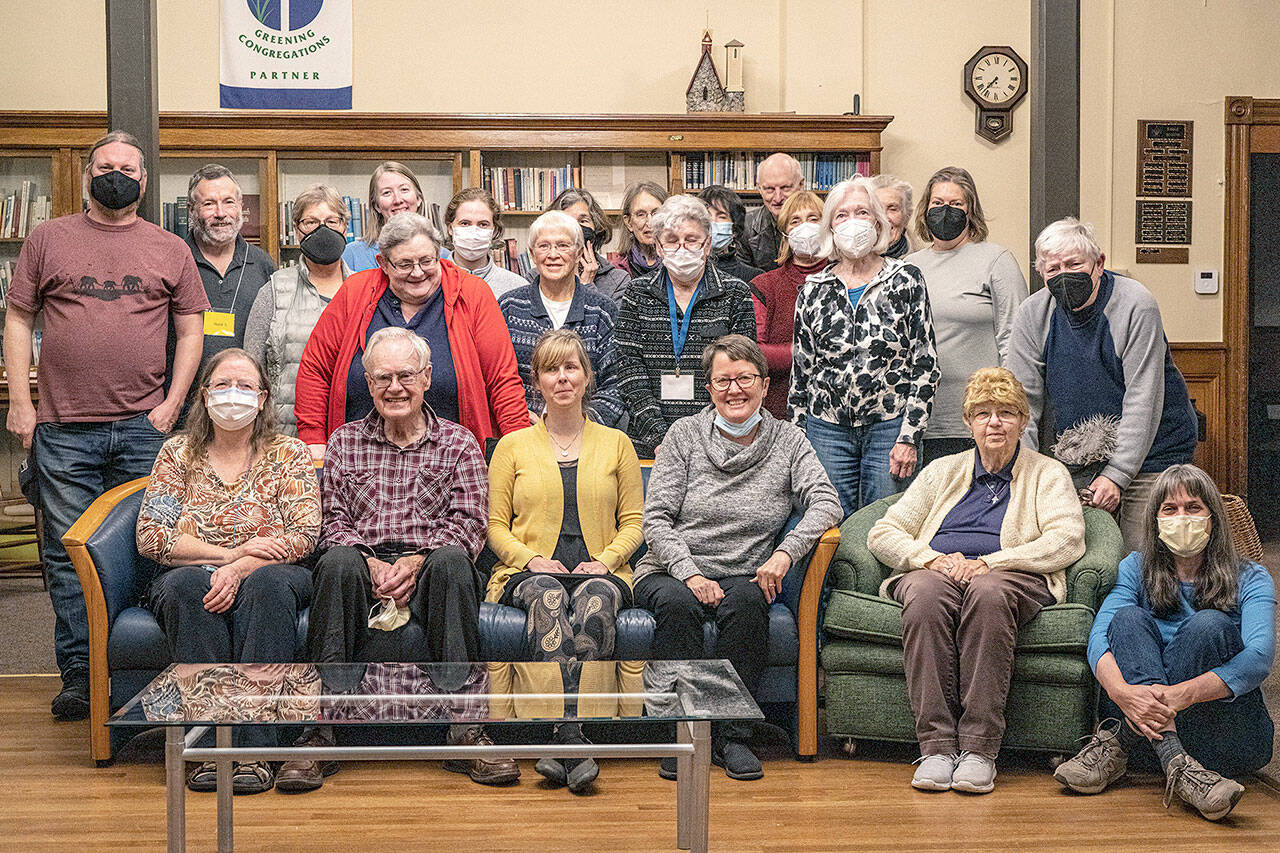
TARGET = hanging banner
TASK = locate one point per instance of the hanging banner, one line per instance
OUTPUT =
(286, 54)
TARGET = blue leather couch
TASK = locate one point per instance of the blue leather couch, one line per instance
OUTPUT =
(127, 648)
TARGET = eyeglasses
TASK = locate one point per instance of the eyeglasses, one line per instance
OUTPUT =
(746, 382)
(333, 222)
(641, 215)
(689, 243)
(563, 248)
(1006, 415)
(406, 378)
(406, 267)
(223, 385)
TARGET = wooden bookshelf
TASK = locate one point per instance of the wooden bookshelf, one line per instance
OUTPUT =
(286, 147)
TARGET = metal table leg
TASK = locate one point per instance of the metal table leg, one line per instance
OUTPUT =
(684, 777)
(175, 784)
(226, 838)
(700, 787)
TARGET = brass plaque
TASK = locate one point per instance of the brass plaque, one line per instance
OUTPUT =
(1164, 158)
(1162, 222)
(1163, 255)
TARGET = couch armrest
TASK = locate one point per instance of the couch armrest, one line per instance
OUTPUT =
(1090, 578)
(77, 541)
(807, 625)
(854, 567)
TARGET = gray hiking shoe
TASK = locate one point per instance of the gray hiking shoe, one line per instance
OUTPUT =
(1209, 793)
(1101, 762)
(934, 772)
(975, 773)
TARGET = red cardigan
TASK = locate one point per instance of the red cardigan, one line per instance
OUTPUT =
(490, 394)
(775, 326)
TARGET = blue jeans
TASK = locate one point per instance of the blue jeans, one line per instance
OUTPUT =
(856, 459)
(75, 463)
(1229, 737)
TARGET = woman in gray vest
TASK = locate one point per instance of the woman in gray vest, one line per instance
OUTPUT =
(291, 301)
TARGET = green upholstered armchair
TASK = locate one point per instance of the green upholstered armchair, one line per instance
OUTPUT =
(1053, 697)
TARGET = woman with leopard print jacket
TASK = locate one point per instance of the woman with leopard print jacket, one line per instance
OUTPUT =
(864, 366)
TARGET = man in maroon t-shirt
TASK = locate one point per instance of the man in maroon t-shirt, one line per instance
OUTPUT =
(106, 282)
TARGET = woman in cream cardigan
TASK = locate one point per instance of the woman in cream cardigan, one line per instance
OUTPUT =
(977, 545)
(565, 505)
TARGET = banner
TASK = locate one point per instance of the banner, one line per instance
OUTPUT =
(286, 54)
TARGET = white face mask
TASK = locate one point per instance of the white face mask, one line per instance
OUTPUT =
(232, 408)
(684, 264)
(804, 240)
(1184, 535)
(854, 237)
(385, 616)
(471, 242)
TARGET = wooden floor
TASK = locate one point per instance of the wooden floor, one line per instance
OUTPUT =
(52, 798)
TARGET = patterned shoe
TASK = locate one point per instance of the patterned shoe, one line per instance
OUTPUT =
(1211, 794)
(934, 772)
(1101, 762)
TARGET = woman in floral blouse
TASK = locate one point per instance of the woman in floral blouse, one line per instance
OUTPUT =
(231, 508)
(864, 367)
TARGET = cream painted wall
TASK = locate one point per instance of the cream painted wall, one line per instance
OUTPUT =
(1157, 59)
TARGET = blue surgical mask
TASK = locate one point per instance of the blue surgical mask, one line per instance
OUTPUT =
(739, 430)
(721, 235)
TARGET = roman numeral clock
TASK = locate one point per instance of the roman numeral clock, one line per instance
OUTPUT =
(995, 78)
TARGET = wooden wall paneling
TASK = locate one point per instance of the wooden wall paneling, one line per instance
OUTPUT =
(1204, 366)
(1235, 279)
(457, 172)
(476, 168)
(269, 205)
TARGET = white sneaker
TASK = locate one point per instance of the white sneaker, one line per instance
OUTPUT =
(975, 773)
(934, 772)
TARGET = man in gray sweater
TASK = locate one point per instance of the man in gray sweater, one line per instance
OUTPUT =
(723, 487)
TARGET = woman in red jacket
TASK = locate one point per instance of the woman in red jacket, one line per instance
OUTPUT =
(474, 380)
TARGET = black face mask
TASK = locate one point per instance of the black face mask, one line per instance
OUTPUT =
(946, 222)
(1071, 290)
(590, 236)
(115, 190)
(323, 245)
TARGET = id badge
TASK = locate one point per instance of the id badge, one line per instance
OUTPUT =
(220, 324)
(677, 386)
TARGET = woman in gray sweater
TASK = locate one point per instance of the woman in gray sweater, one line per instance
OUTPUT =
(720, 493)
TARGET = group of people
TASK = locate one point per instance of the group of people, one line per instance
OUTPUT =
(797, 356)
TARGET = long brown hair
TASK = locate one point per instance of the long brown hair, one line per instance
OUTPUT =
(960, 177)
(1217, 583)
(199, 428)
(627, 240)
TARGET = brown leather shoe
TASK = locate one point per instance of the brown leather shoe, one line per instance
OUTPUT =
(299, 776)
(500, 772)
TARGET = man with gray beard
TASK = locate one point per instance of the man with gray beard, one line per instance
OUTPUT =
(230, 268)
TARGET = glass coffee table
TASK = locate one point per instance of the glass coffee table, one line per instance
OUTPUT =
(191, 699)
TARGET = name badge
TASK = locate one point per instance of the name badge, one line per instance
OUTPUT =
(220, 323)
(677, 386)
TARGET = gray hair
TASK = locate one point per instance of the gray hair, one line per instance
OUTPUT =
(679, 209)
(553, 220)
(901, 187)
(397, 333)
(835, 199)
(211, 172)
(1067, 236)
(402, 228)
(117, 136)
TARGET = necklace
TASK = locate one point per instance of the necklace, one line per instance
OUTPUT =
(564, 448)
(996, 491)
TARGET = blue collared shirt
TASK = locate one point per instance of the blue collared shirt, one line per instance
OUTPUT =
(972, 527)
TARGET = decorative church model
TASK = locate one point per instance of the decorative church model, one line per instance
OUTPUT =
(705, 93)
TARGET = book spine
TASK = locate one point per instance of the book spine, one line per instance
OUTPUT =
(181, 220)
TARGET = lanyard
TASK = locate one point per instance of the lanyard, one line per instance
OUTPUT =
(244, 262)
(679, 328)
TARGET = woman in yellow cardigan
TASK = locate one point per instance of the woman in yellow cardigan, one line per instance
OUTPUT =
(565, 505)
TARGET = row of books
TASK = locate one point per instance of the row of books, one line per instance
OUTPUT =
(737, 169)
(6, 278)
(529, 188)
(23, 210)
(509, 256)
(176, 219)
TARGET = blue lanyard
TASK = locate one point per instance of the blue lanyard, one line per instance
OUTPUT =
(679, 328)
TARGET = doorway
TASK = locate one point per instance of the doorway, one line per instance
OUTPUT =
(1264, 342)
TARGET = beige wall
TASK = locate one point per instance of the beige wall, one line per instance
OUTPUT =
(1157, 59)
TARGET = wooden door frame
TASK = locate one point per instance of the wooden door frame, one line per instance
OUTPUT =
(1252, 125)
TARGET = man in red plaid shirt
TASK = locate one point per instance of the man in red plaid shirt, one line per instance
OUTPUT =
(406, 511)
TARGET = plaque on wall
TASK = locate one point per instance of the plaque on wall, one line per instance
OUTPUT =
(1162, 222)
(1164, 158)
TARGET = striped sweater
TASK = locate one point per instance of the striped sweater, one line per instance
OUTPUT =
(645, 351)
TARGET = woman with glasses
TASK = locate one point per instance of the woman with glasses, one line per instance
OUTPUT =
(638, 252)
(232, 507)
(288, 306)
(977, 545)
(721, 491)
(474, 380)
(863, 361)
(594, 268)
(668, 315)
(557, 299)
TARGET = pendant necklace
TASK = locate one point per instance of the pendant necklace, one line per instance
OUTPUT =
(564, 448)
(994, 490)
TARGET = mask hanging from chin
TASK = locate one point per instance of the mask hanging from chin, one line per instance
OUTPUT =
(739, 430)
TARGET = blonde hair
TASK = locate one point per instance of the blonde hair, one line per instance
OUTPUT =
(557, 346)
(995, 385)
(960, 177)
(374, 220)
(800, 200)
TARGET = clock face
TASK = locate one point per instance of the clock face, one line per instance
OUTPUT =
(996, 79)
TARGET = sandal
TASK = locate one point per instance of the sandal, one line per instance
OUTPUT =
(253, 777)
(203, 777)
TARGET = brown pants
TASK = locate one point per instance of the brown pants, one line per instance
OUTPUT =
(957, 642)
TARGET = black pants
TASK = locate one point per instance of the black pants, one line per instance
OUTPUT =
(446, 603)
(742, 622)
(260, 627)
(936, 448)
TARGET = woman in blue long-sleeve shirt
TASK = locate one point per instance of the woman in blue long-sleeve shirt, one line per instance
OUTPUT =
(1180, 646)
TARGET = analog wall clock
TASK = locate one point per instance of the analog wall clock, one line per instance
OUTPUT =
(995, 78)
